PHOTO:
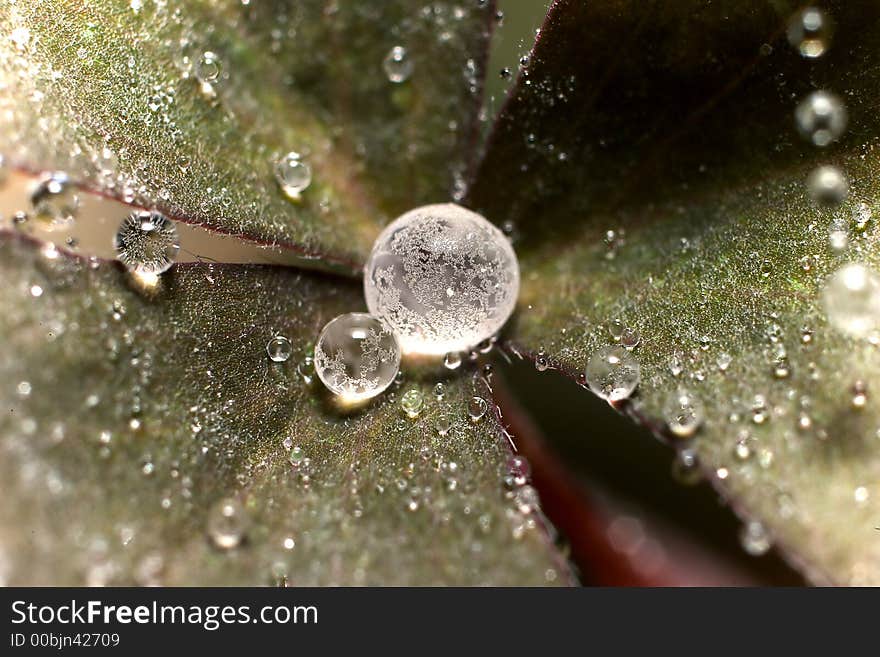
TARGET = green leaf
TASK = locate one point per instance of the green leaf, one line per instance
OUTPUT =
(672, 124)
(129, 416)
(304, 76)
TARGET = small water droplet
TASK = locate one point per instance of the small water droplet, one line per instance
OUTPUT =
(439, 390)
(452, 360)
(55, 200)
(293, 174)
(810, 31)
(443, 425)
(412, 402)
(859, 395)
(615, 329)
(755, 539)
(683, 413)
(723, 361)
(613, 373)
(827, 186)
(541, 361)
(397, 64)
(279, 349)
(630, 338)
(227, 523)
(686, 468)
(477, 408)
(296, 455)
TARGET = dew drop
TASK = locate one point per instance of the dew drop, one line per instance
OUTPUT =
(356, 357)
(443, 425)
(227, 523)
(859, 395)
(541, 361)
(683, 413)
(296, 456)
(613, 373)
(279, 349)
(439, 390)
(443, 278)
(412, 403)
(55, 200)
(821, 118)
(452, 360)
(397, 65)
(630, 338)
(723, 361)
(852, 300)
(827, 186)
(293, 174)
(146, 242)
(810, 31)
(755, 539)
(615, 329)
(686, 468)
(208, 68)
(477, 408)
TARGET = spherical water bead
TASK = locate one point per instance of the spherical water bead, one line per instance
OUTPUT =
(356, 356)
(477, 408)
(293, 174)
(613, 373)
(821, 117)
(227, 523)
(397, 65)
(852, 300)
(755, 539)
(207, 71)
(683, 413)
(55, 200)
(412, 403)
(443, 278)
(827, 186)
(279, 349)
(452, 360)
(146, 242)
(810, 31)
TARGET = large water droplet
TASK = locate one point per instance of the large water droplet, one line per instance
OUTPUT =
(443, 278)
(356, 356)
(146, 242)
(613, 373)
(397, 64)
(852, 300)
(293, 174)
(821, 117)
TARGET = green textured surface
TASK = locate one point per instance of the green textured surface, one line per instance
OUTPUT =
(301, 76)
(677, 127)
(384, 500)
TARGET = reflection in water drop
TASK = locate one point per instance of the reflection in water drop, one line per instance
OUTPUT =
(227, 523)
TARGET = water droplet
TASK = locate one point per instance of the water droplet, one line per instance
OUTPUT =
(55, 200)
(526, 499)
(452, 360)
(296, 456)
(356, 356)
(541, 361)
(859, 395)
(615, 329)
(683, 413)
(397, 64)
(838, 234)
(827, 186)
(852, 300)
(686, 468)
(613, 373)
(630, 338)
(423, 255)
(821, 118)
(293, 174)
(279, 349)
(477, 408)
(723, 361)
(146, 242)
(754, 539)
(208, 68)
(676, 363)
(810, 31)
(439, 390)
(861, 215)
(227, 523)
(519, 470)
(412, 402)
(443, 425)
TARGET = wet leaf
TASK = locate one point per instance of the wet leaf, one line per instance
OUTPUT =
(187, 107)
(129, 417)
(650, 163)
